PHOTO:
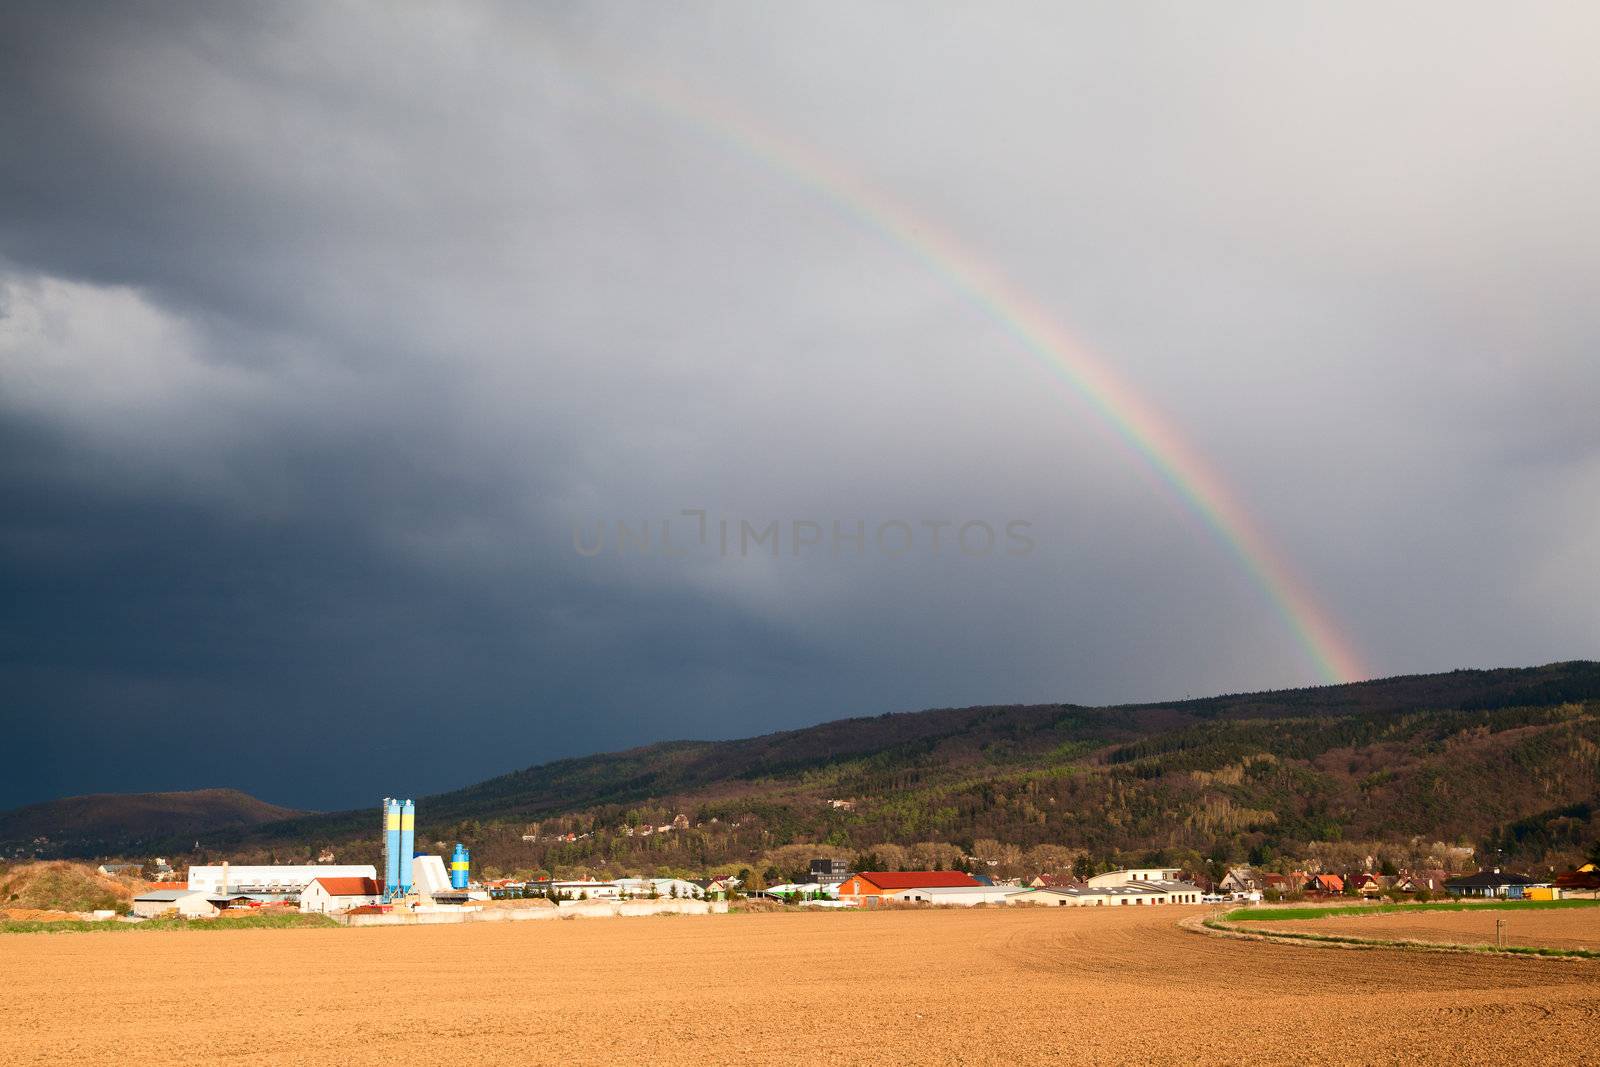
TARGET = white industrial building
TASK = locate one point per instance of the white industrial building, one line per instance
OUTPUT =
(962, 896)
(1139, 874)
(586, 890)
(659, 887)
(804, 890)
(186, 903)
(277, 881)
(1136, 894)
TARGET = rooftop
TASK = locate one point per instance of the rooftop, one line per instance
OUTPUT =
(918, 879)
(348, 887)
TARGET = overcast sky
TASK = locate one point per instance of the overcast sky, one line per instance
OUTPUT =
(323, 326)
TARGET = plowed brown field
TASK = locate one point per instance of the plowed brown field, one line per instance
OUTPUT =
(1555, 928)
(983, 986)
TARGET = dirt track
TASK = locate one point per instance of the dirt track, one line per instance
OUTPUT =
(1556, 928)
(983, 986)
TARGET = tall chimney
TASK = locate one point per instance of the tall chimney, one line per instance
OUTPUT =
(224, 891)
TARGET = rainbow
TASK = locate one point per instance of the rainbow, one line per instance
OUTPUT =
(1152, 435)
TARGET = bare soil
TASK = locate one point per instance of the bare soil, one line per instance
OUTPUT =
(1008, 986)
(1556, 928)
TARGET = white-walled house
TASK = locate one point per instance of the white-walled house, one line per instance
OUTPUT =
(328, 895)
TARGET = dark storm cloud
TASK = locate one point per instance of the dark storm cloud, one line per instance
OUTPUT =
(322, 325)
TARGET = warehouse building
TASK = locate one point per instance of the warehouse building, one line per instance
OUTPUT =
(271, 882)
(1134, 894)
(185, 902)
(961, 896)
(871, 887)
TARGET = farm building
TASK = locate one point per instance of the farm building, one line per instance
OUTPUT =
(327, 895)
(1138, 874)
(868, 887)
(187, 903)
(1492, 883)
(1134, 894)
(961, 896)
(271, 882)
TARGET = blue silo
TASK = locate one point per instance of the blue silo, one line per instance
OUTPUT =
(459, 865)
(391, 846)
(408, 821)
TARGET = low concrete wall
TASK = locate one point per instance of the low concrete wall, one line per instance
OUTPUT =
(579, 909)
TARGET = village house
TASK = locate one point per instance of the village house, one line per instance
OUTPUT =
(1580, 882)
(1241, 880)
(324, 896)
(1324, 883)
(1430, 881)
(1492, 883)
(1281, 883)
(1368, 885)
(1054, 881)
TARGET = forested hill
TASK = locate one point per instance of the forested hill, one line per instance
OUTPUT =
(113, 822)
(1469, 755)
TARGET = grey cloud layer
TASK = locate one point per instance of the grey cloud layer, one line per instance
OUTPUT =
(322, 325)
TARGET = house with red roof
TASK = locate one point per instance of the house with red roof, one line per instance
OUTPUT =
(326, 895)
(1325, 883)
(1368, 885)
(1580, 881)
(1281, 883)
(870, 887)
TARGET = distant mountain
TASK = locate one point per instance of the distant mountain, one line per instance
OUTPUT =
(1501, 759)
(110, 823)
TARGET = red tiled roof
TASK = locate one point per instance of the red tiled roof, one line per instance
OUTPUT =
(153, 886)
(349, 887)
(918, 879)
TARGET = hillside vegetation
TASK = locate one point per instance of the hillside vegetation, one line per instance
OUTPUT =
(108, 823)
(1500, 759)
(61, 886)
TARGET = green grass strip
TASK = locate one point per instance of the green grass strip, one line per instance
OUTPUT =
(1253, 915)
(1436, 946)
(248, 922)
